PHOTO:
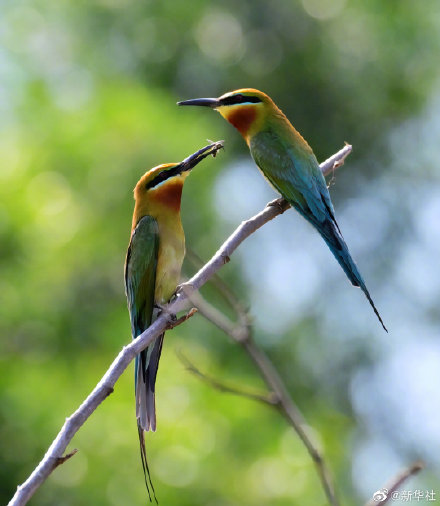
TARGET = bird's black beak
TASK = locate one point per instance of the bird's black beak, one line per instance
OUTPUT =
(203, 102)
(190, 162)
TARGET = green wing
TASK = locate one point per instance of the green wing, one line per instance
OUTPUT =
(140, 273)
(140, 281)
(293, 170)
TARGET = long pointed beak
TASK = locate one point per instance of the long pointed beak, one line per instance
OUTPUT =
(192, 160)
(204, 102)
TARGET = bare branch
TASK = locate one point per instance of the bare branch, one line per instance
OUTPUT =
(224, 290)
(222, 387)
(396, 483)
(280, 398)
(128, 353)
(238, 332)
(54, 455)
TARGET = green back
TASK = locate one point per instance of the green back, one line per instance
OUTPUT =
(292, 169)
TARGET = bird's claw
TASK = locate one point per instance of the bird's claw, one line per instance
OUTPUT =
(280, 203)
(176, 294)
(162, 310)
(184, 289)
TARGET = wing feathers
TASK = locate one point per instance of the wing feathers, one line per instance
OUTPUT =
(140, 281)
(293, 170)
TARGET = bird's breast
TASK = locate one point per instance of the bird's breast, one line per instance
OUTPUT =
(170, 257)
(241, 118)
(168, 194)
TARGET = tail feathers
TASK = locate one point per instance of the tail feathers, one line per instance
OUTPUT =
(147, 364)
(331, 234)
(145, 404)
(146, 372)
(350, 268)
(145, 468)
(370, 300)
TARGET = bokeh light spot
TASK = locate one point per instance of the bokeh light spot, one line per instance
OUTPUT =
(323, 9)
(270, 477)
(220, 36)
(49, 192)
(176, 466)
(264, 52)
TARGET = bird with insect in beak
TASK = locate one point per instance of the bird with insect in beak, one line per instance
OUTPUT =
(152, 272)
(289, 164)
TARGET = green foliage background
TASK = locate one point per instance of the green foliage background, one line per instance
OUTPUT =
(87, 104)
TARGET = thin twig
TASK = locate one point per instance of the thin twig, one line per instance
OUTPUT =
(224, 290)
(284, 402)
(178, 321)
(236, 331)
(292, 414)
(222, 387)
(388, 492)
(68, 456)
(128, 353)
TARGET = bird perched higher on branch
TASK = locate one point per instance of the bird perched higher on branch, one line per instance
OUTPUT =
(289, 164)
(152, 271)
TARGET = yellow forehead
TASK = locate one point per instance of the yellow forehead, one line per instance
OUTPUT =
(246, 91)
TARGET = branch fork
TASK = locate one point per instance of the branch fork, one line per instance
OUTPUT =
(181, 302)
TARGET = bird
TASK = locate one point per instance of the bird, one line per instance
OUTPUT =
(152, 272)
(288, 163)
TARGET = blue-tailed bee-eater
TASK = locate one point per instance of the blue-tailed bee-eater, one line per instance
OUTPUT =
(152, 271)
(289, 164)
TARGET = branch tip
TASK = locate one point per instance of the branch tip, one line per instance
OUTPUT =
(177, 321)
(395, 483)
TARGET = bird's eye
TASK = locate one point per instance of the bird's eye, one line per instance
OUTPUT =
(164, 175)
(252, 100)
(240, 99)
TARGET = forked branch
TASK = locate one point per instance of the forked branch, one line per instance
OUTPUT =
(180, 303)
(278, 396)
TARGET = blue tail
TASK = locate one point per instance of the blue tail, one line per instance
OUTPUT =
(331, 234)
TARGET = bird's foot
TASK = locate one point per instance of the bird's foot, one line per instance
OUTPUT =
(183, 289)
(280, 203)
(159, 309)
(175, 295)
(180, 290)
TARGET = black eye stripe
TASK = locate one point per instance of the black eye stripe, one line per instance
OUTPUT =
(240, 99)
(166, 174)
